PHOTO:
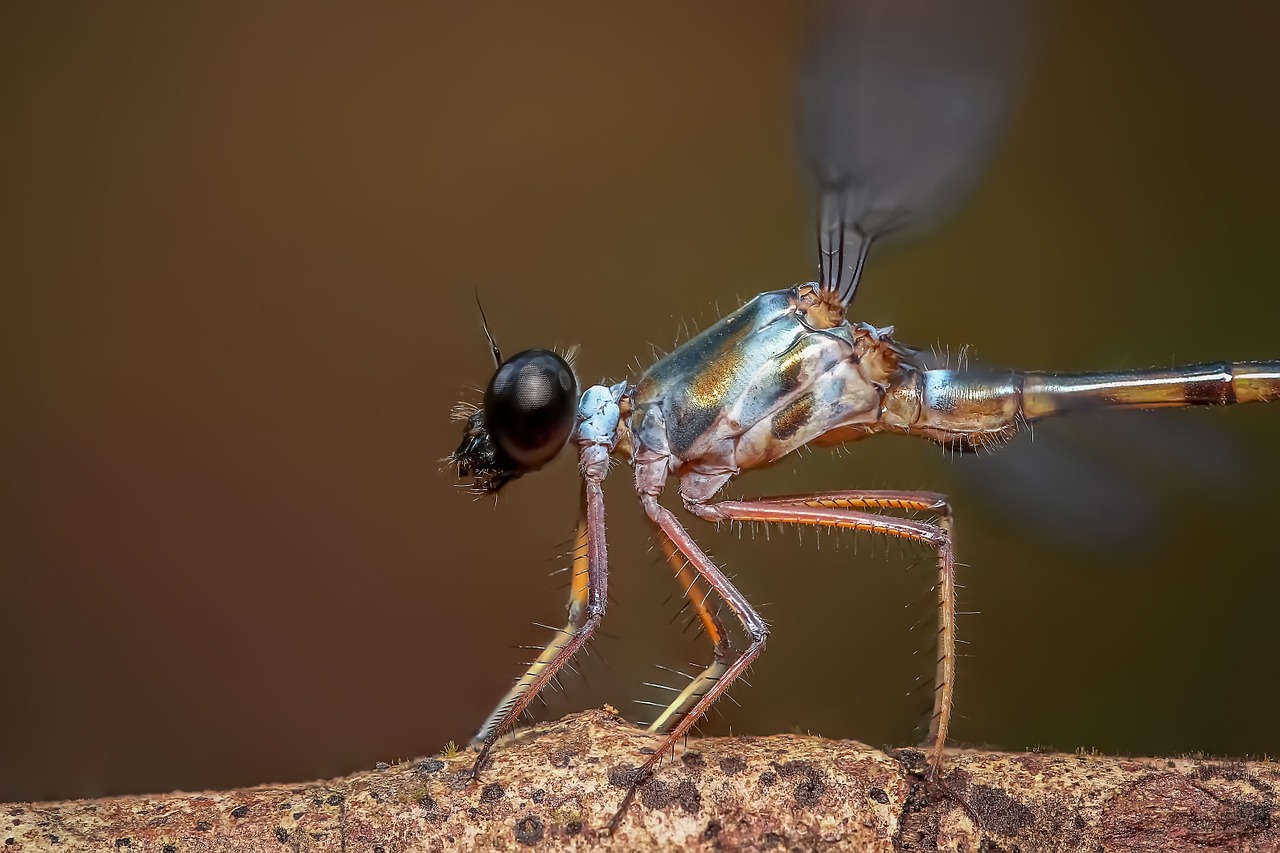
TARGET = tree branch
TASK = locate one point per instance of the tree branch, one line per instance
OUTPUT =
(557, 786)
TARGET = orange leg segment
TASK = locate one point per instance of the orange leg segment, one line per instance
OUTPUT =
(587, 598)
(697, 594)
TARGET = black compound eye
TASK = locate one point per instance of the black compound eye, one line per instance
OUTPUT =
(529, 407)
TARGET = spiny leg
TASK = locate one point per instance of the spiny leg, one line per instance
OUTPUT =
(752, 623)
(840, 509)
(697, 596)
(587, 596)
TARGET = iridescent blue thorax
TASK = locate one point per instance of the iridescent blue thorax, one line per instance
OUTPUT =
(772, 376)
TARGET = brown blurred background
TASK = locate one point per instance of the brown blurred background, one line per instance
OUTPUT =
(240, 249)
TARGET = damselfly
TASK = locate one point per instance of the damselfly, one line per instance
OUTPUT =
(901, 104)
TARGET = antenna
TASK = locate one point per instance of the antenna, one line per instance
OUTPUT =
(493, 345)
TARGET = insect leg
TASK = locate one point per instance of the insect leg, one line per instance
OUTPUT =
(752, 623)
(586, 607)
(841, 510)
(697, 593)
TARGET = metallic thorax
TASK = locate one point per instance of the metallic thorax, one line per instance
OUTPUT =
(770, 377)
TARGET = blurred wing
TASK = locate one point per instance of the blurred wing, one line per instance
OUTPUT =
(901, 104)
(1106, 482)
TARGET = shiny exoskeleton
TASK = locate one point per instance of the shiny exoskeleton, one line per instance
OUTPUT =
(785, 370)
(788, 369)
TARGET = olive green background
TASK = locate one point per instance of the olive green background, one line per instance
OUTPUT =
(240, 247)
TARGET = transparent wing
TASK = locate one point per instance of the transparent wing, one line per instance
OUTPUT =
(901, 104)
(1104, 483)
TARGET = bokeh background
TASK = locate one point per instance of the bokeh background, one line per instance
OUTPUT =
(240, 250)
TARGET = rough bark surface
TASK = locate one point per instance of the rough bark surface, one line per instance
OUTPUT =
(557, 787)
